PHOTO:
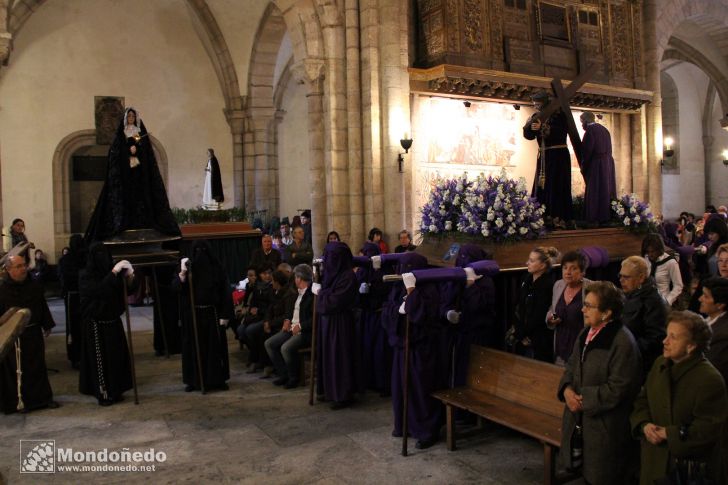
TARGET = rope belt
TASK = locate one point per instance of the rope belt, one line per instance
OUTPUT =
(19, 372)
(99, 358)
(553, 147)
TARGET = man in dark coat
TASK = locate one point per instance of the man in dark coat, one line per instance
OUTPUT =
(266, 254)
(336, 299)
(213, 307)
(105, 363)
(295, 332)
(714, 303)
(597, 166)
(18, 290)
(552, 184)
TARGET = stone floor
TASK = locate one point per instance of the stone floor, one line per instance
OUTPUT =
(253, 433)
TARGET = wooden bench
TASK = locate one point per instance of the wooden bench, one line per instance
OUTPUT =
(512, 391)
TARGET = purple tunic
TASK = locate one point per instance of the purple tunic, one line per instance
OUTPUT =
(597, 166)
(376, 356)
(335, 303)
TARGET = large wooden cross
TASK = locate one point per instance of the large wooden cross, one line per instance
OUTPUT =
(560, 100)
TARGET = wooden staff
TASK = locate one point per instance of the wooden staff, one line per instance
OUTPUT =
(129, 340)
(405, 424)
(194, 331)
(158, 307)
(314, 329)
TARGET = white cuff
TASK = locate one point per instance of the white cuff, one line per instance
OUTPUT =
(401, 309)
(316, 288)
(470, 274)
(453, 316)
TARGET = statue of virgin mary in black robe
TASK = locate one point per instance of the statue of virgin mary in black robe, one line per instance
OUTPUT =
(133, 196)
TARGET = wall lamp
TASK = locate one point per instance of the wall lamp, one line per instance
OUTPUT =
(667, 152)
(406, 144)
(725, 158)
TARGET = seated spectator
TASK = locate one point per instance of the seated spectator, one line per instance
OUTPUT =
(277, 243)
(241, 309)
(257, 333)
(260, 300)
(599, 385)
(663, 267)
(333, 236)
(714, 303)
(299, 251)
(266, 253)
(295, 333)
(644, 310)
(680, 412)
(375, 236)
(405, 242)
(565, 316)
(716, 232)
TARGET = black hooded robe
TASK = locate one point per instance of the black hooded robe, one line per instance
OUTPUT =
(217, 194)
(105, 364)
(69, 267)
(213, 301)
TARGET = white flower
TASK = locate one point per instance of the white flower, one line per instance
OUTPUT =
(509, 218)
(443, 212)
(523, 231)
(491, 215)
(448, 225)
(637, 219)
(633, 210)
(626, 221)
(459, 187)
(499, 222)
(485, 232)
(511, 231)
(433, 228)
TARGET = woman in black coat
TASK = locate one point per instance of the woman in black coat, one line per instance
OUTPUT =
(533, 337)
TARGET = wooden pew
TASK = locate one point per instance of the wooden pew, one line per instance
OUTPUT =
(512, 391)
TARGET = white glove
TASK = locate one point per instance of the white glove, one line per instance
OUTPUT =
(123, 265)
(453, 316)
(223, 322)
(183, 264)
(316, 288)
(129, 268)
(317, 261)
(376, 262)
(118, 267)
(702, 249)
(364, 288)
(470, 274)
(401, 309)
(409, 280)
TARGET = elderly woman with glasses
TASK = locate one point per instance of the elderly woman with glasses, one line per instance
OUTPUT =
(645, 309)
(682, 407)
(599, 385)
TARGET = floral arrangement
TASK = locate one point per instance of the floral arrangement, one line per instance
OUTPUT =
(496, 208)
(198, 215)
(632, 213)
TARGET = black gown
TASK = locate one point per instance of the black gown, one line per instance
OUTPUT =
(105, 364)
(217, 193)
(213, 301)
(132, 198)
(556, 193)
(35, 387)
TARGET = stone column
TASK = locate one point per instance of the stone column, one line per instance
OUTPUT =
(262, 149)
(354, 125)
(311, 72)
(335, 118)
(248, 166)
(395, 111)
(371, 115)
(707, 163)
(236, 119)
(653, 114)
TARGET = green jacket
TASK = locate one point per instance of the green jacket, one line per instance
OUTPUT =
(690, 393)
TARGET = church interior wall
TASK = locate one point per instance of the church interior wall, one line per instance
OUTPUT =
(70, 51)
(293, 151)
(686, 190)
(716, 170)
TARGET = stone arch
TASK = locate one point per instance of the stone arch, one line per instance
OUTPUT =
(61, 167)
(670, 119)
(673, 12)
(219, 54)
(20, 13)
